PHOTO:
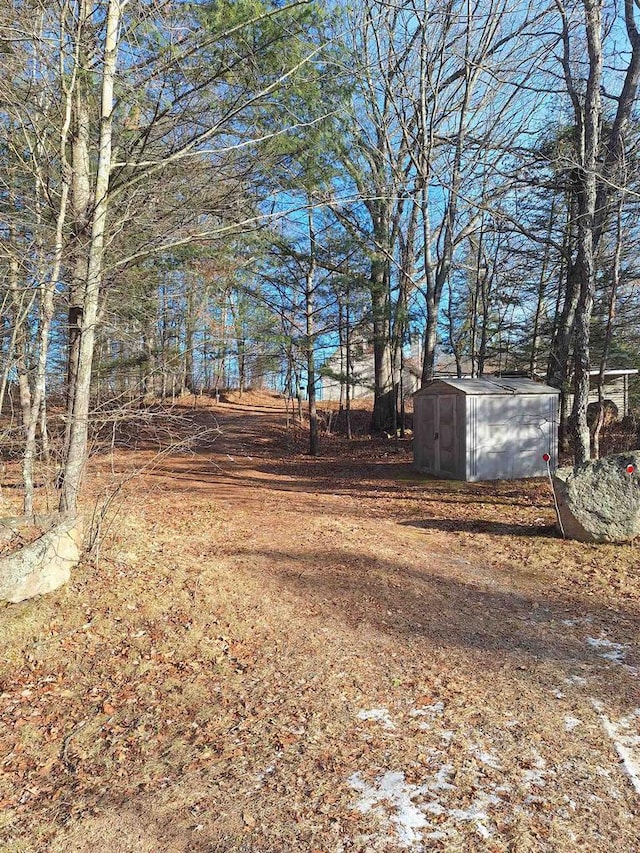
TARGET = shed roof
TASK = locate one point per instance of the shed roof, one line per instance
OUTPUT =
(615, 372)
(497, 385)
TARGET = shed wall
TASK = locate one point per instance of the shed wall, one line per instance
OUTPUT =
(423, 430)
(508, 435)
(484, 436)
(439, 442)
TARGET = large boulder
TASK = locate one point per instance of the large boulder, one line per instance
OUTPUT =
(42, 565)
(599, 501)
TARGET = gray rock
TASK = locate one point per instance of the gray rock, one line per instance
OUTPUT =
(43, 565)
(598, 500)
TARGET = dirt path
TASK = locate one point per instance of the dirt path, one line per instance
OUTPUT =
(336, 655)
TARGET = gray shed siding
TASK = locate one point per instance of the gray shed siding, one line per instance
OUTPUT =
(444, 456)
(485, 430)
(508, 435)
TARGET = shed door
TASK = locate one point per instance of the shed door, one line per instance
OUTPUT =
(446, 435)
(429, 442)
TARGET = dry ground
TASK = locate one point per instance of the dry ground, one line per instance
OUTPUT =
(278, 653)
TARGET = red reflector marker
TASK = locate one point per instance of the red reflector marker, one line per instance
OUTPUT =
(630, 469)
(546, 457)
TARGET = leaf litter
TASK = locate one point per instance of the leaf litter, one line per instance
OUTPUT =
(202, 687)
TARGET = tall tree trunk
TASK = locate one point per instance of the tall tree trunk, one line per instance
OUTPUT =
(341, 351)
(436, 275)
(33, 400)
(483, 285)
(611, 314)
(189, 383)
(18, 297)
(348, 368)
(242, 364)
(585, 261)
(540, 296)
(310, 335)
(430, 339)
(598, 174)
(384, 403)
(582, 364)
(559, 367)
(77, 451)
(147, 381)
(81, 203)
(20, 337)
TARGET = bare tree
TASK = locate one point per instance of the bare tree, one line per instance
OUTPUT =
(598, 164)
(165, 115)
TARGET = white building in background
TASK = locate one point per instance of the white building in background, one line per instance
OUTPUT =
(614, 388)
(332, 383)
(332, 386)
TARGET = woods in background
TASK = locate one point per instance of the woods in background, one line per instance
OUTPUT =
(203, 195)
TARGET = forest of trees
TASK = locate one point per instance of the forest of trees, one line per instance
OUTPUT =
(198, 195)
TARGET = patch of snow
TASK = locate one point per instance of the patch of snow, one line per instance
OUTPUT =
(477, 814)
(489, 759)
(570, 723)
(447, 735)
(428, 710)
(614, 652)
(437, 835)
(627, 744)
(577, 679)
(392, 789)
(578, 620)
(381, 715)
(535, 776)
(390, 792)
(442, 779)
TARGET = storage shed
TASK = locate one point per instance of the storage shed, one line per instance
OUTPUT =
(485, 429)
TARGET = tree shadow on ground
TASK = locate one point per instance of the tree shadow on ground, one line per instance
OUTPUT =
(243, 446)
(347, 479)
(451, 604)
(479, 525)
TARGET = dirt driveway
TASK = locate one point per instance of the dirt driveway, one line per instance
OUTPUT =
(278, 653)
